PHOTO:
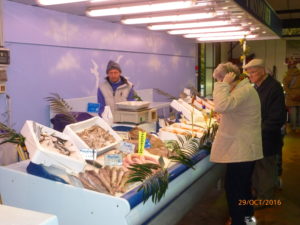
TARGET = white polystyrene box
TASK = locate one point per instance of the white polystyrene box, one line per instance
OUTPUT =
(173, 131)
(72, 130)
(41, 155)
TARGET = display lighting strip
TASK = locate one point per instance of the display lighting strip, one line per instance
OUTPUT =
(92, 1)
(170, 18)
(153, 6)
(229, 38)
(57, 2)
(206, 30)
(223, 34)
(189, 25)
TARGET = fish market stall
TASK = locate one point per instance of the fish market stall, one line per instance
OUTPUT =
(77, 206)
(95, 176)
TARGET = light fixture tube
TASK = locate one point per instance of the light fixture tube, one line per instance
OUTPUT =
(92, 1)
(140, 8)
(57, 2)
(189, 25)
(170, 18)
(206, 30)
(222, 34)
(226, 38)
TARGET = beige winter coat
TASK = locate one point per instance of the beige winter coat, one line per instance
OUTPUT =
(291, 85)
(239, 135)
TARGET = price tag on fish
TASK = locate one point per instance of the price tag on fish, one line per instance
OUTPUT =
(127, 147)
(113, 160)
(88, 154)
(124, 135)
(142, 140)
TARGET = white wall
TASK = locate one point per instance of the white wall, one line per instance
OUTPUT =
(272, 51)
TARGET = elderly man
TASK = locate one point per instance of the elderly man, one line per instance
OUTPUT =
(115, 88)
(273, 115)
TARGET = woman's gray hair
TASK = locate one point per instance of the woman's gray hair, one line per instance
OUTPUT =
(224, 68)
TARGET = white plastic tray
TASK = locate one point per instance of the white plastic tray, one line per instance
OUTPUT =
(41, 155)
(133, 105)
(72, 129)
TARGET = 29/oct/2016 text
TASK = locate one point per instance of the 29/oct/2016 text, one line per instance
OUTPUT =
(260, 202)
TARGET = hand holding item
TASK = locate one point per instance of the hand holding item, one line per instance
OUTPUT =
(229, 77)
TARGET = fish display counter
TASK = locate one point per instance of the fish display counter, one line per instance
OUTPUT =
(78, 206)
(11, 215)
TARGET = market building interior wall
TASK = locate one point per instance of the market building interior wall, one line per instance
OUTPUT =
(272, 51)
(53, 52)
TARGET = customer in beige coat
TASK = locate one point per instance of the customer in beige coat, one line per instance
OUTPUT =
(238, 141)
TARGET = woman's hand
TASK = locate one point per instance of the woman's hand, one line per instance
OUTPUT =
(229, 77)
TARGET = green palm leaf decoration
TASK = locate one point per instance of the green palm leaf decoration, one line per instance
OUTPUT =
(208, 136)
(184, 149)
(59, 106)
(154, 178)
(10, 135)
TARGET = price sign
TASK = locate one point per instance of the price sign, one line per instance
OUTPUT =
(113, 160)
(126, 147)
(124, 135)
(142, 140)
(88, 154)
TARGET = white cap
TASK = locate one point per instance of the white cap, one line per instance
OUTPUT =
(255, 63)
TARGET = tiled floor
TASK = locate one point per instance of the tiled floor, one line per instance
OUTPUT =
(213, 209)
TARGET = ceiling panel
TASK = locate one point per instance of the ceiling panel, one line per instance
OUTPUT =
(228, 9)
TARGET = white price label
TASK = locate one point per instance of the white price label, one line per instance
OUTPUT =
(124, 135)
(113, 160)
(88, 154)
(127, 147)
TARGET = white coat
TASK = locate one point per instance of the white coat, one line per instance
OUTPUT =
(238, 138)
(120, 94)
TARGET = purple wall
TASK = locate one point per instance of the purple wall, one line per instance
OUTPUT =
(67, 54)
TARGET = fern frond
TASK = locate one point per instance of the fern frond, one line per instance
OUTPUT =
(173, 145)
(10, 135)
(154, 178)
(183, 159)
(184, 149)
(59, 106)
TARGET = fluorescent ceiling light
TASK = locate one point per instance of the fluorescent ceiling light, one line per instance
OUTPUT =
(57, 2)
(99, 1)
(206, 30)
(189, 25)
(226, 38)
(223, 34)
(170, 18)
(140, 8)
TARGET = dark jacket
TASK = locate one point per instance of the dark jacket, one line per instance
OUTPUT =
(273, 115)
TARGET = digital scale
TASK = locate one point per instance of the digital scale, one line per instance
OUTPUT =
(135, 112)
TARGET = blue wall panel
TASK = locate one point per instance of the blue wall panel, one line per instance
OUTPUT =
(67, 54)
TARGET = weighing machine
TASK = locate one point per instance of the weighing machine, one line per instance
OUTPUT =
(135, 112)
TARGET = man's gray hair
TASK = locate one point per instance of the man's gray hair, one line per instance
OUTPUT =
(224, 68)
